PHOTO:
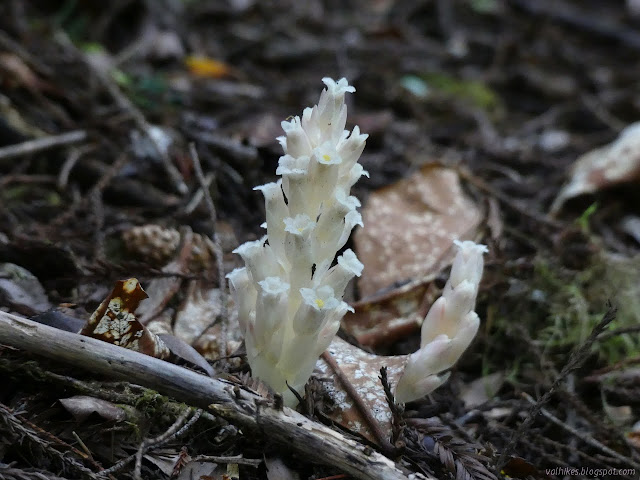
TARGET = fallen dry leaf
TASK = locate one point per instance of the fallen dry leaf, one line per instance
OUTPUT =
(198, 311)
(114, 321)
(410, 227)
(278, 470)
(362, 369)
(82, 406)
(612, 164)
(481, 390)
(383, 319)
(207, 67)
(57, 318)
(21, 291)
(186, 352)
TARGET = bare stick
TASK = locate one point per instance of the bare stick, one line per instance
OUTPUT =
(41, 144)
(576, 359)
(239, 459)
(584, 436)
(217, 247)
(220, 397)
(174, 430)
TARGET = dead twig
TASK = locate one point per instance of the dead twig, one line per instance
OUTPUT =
(97, 189)
(577, 357)
(239, 459)
(179, 427)
(74, 155)
(506, 200)
(397, 411)
(41, 144)
(217, 248)
(10, 473)
(24, 178)
(220, 397)
(20, 429)
(584, 436)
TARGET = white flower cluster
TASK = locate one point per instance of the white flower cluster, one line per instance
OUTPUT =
(448, 328)
(288, 296)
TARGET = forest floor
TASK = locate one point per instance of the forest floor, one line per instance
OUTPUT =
(102, 107)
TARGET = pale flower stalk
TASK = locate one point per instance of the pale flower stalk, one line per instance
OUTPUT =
(449, 327)
(288, 295)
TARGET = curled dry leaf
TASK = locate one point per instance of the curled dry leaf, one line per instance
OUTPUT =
(612, 164)
(186, 352)
(21, 291)
(482, 389)
(114, 321)
(410, 227)
(82, 406)
(362, 369)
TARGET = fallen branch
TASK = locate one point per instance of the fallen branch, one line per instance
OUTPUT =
(220, 397)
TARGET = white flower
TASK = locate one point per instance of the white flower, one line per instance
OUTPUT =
(296, 143)
(271, 306)
(259, 259)
(339, 275)
(244, 295)
(276, 209)
(317, 304)
(449, 327)
(289, 305)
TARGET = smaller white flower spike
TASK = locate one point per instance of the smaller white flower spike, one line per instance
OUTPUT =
(449, 327)
(289, 302)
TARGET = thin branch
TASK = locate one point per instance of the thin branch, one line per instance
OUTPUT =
(181, 425)
(217, 248)
(19, 428)
(238, 459)
(41, 144)
(577, 358)
(584, 436)
(220, 397)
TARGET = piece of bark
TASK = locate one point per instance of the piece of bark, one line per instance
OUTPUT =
(220, 397)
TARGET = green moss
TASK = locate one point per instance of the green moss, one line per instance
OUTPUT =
(472, 91)
(576, 301)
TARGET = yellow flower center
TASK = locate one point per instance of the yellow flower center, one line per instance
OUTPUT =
(326, 158)
(319, 303)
